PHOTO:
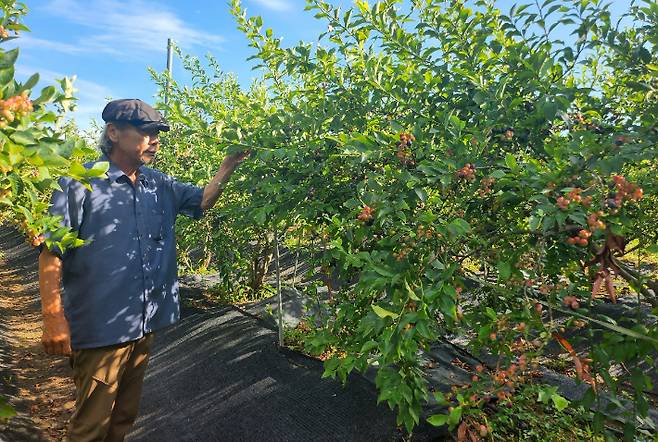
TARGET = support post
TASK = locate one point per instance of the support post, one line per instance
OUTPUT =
(278, 285)
(170, 60)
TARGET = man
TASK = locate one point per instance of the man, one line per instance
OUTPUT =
(121, 286)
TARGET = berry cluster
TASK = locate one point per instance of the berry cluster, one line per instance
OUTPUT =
(624, 191)
(422, 232)
(573, 196)
(485, 186)
(366, 214)
(37, 240)
(587, 125)
(594, 222)
(571, 301)
(3, 32)
(505, 382)
(404, 154)
(467, 172)
(582, 239)
(14, 107)
(402, 253)
(407, 247)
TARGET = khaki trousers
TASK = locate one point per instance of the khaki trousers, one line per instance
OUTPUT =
(108, 384)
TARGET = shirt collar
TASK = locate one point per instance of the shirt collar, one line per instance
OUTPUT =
(114, 173)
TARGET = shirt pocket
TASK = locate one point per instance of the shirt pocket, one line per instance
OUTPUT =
(156, 225)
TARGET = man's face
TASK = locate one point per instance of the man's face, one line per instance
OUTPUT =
(135, 145)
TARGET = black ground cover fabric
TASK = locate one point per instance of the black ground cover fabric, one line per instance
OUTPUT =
(219, 376)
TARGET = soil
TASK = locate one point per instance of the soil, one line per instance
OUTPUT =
(38, 386)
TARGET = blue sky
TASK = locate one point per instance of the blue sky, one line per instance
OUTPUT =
(108, 44)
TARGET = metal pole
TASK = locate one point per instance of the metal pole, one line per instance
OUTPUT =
(294, 274)
(170, 59)
(278, 285)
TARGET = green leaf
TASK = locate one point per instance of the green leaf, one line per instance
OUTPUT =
(260, 217)
(455, 416)
(383, 313)
(438, 420)
(47, 95)
(8, 59)
(504, 270)
(382, 270)
(410, 291)
(31, 82)
(6, 410)
(560, 402)
(369, 345)
(457, 123)
(545, 395)
(459, 227)
(510, 161)
(534, 221)
(98, 169)
(422, 194)
(24, 137)
(6, 75)
(330, 367)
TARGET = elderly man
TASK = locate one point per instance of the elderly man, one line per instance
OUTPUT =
(102, 302)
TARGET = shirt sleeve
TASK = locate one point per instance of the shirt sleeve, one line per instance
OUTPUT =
(64, 203)
(188, 199)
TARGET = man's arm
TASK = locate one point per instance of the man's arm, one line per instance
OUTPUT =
(56, 336)
(214, 189)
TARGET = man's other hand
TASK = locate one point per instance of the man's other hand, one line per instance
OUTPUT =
(56, 338)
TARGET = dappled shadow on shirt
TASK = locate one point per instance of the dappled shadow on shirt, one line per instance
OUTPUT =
(123, 282)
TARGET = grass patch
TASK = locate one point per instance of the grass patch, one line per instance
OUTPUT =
(528, 419)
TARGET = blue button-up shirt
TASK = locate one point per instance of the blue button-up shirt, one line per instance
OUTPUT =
(123, 282)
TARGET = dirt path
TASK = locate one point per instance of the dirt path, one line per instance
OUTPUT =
(37, 385)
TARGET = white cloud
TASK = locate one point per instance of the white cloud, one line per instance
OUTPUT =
(127, 28)
(27, 41)
(276, 5)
